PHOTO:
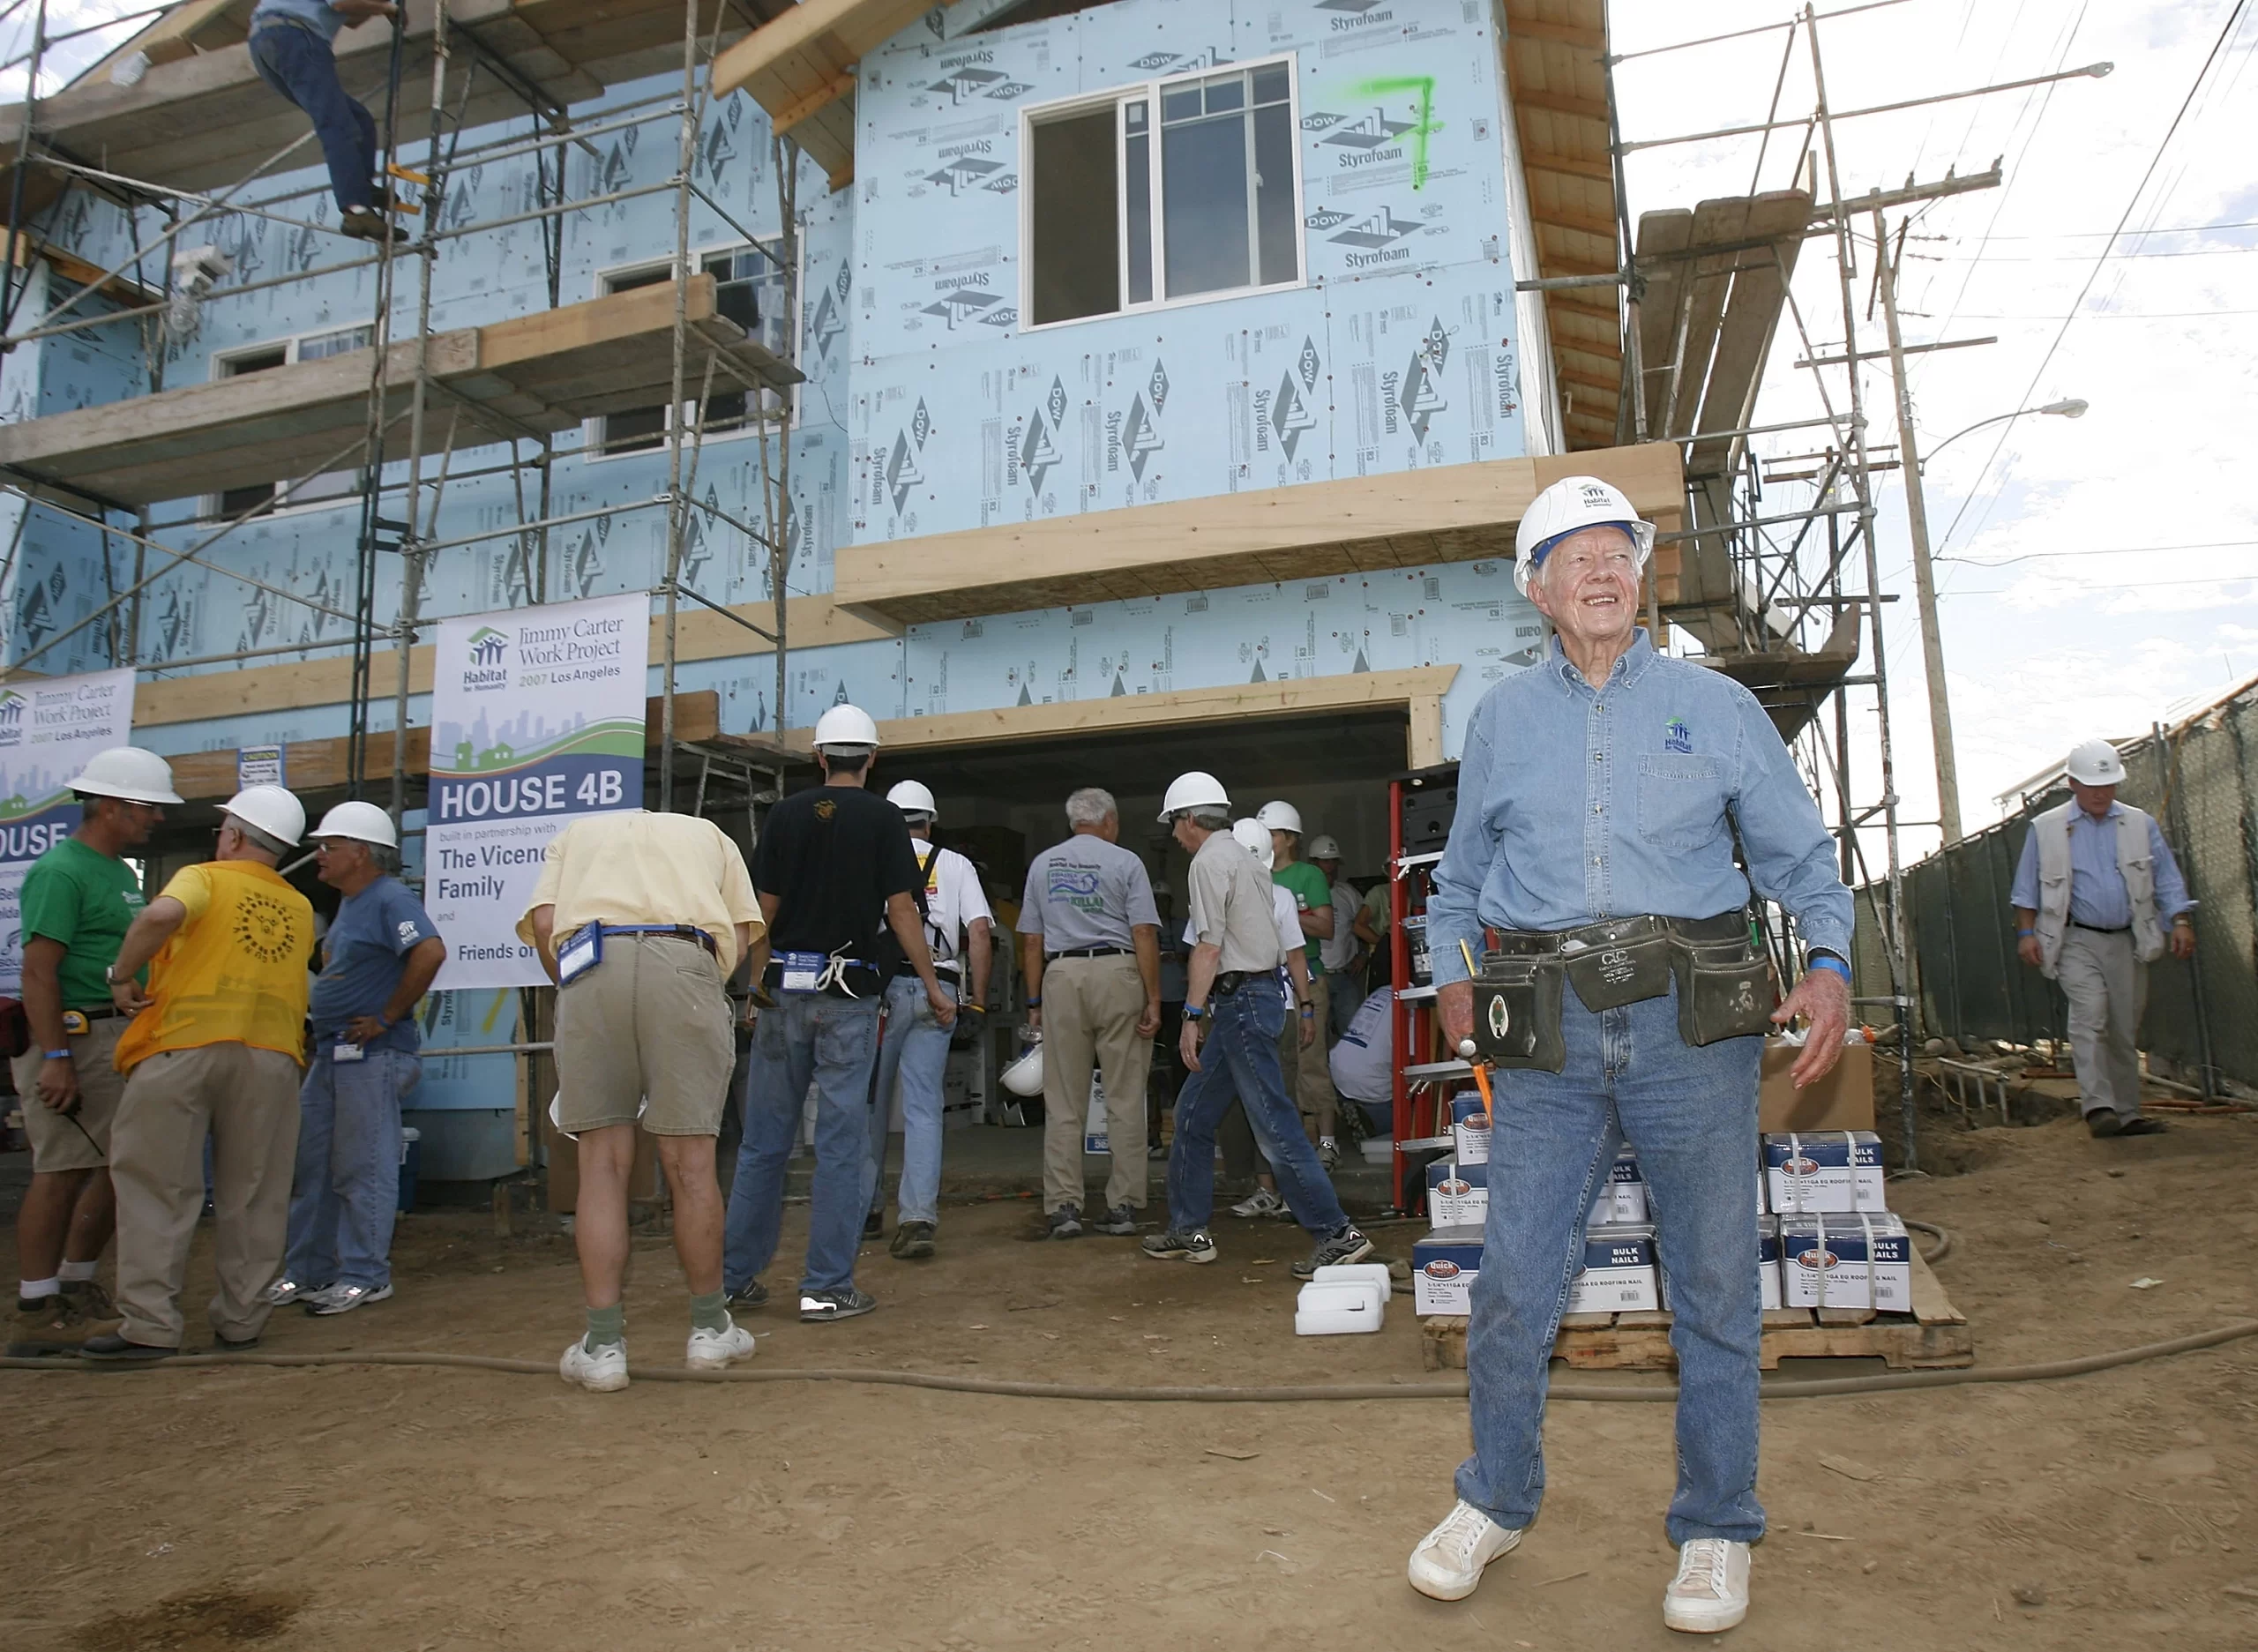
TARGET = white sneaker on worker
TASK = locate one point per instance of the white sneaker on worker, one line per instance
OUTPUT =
(1261, 1202)
(717, 1350)
(603, 1372)
(1711, 1591)
(1447, 1564)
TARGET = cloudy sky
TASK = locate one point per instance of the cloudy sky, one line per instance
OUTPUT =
(2098, 574)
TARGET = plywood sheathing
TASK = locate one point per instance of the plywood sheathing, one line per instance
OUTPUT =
(546, 371)
(1555, 80)
(1314, 530)
(801, 69)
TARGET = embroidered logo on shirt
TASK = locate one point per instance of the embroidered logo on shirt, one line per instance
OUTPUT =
(1675, 736)
(409, 933)
(825, 809)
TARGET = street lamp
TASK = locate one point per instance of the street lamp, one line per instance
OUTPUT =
(2072, 408)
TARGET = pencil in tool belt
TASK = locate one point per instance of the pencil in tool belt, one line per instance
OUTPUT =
(1470, 1052)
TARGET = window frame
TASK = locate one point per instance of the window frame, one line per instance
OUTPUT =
(210, 507)
(592, 444)
(1119, 98)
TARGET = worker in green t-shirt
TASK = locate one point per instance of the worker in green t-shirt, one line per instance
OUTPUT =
(1313, 896)
(78, 899)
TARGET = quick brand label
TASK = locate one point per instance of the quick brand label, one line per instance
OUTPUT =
(1852, 1260)
(1458, 1195)
(1444, 1266)
(1830, 1171)
(1469, 1134)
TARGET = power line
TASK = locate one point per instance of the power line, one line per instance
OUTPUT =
(2114, 551)
(2233, 21)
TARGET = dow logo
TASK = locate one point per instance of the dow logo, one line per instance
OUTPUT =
(1038, 453)
(486, 647)
(961, 303)
(1422, 397)
(1376, 229)
(1289, 415)
(961, 173)
(1374, 132)
(902, 472)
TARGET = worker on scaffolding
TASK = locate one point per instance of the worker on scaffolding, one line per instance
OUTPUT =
(293, 46)
(1591, 864)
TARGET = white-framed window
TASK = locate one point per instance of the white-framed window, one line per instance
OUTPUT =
(258, 358)
(1171, 192)
(748, 289)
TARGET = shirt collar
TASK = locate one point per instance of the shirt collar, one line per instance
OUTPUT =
(2113, 811)
(1628, 668)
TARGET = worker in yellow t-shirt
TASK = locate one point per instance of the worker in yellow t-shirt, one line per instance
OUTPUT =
(214, 1050)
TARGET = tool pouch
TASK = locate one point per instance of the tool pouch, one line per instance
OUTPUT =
(1608, 974)
(1517, 1013)
(1725, 990)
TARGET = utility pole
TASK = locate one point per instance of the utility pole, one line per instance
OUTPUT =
(1916, 522)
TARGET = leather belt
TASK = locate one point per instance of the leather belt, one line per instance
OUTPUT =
(2096, 929)
(1231, 980)
(1724, 926)
(1090, 952)
(677, 931)
(109, 1011)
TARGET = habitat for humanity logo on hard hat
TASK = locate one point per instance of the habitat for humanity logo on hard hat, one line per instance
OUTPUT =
(11, 718)
(486, 647)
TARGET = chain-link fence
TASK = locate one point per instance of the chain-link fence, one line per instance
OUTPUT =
(2199, 778)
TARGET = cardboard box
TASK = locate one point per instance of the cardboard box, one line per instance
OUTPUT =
(1843, 1100)
(1618, 1272)
(1458, 1196)
(1768, 1267)
(1856, 1260)
(1835, 1170)
(1470, 1142)
(1444, 1266)
(1624, 1199)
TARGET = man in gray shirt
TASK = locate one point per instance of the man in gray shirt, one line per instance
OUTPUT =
(1089, 948)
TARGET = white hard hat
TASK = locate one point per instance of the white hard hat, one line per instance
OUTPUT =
(1024, 1077)
(848, 727)
(912, 798)
(1193, 790)
(271, 810)
(127, 772)
(1280, 816)
(362, 822)
(1322, 847)
(2096, 763)
(1570, 505)
(1255, 838)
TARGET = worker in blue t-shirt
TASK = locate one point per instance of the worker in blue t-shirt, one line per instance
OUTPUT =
(378, 959)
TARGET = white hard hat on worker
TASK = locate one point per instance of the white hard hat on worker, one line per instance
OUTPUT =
(847, 729)
(1255, 838)
(362, 822)
(913, 799)
(271, 809)
(1568, 507)
(1278, 815)
(127, 772)
(1194, 790)
(2096, 763)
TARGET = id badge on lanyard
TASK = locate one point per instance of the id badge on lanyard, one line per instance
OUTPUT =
(583, 953)
(800, 972)
(347, 1052)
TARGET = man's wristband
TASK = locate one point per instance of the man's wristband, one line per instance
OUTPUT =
(2025, 935)
(1035, 1003)
(1830, 962)
(56, 1055)
(1194, 1012)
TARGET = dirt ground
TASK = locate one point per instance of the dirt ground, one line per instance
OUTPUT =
(378, 1508)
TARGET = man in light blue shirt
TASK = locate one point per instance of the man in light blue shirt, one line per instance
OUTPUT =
(2093, 895)
(1599, 796)
(293, 46)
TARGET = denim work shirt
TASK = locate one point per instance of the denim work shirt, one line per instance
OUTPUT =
(1577, 804)
(2097, 896)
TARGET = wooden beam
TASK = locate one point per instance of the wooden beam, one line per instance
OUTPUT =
(1560, 104)
(1536, 28)
(792, 113)
(782, 53)
(1567, 166)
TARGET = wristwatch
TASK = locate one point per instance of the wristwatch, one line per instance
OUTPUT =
(1194, 1012)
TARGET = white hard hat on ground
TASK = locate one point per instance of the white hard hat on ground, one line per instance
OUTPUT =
(2096, 763)
(1568, 507)
(362, 822)
(1255, 838)
(271, 810)
(1024, 1077)
(846, 728)
(1278, 815)
(127, 772)
(1322, 847)
(912, 798)
(1193, 790)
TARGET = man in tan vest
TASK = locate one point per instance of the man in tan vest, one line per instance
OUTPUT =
(2094, 892)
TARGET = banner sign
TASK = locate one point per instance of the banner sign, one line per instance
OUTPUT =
(536, 717)
(49, 727)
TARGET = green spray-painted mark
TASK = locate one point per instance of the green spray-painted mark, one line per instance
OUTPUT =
(1425, 126)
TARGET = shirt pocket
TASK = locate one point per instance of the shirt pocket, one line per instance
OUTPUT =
(1681, 800)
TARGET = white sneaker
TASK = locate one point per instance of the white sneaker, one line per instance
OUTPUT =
(603, 1372)
(1262, 1202)
(283, 1290)
(1711, 1591)
(343, 1298)
(1447, 1564)
(716, 1351)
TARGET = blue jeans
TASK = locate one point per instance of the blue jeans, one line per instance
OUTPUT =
(300, 65)
(346, 1189)
(915, 1049)
(1692, 1115)
(1240, 1058)
(808, 1038)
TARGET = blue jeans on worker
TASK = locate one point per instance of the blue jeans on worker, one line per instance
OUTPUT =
(1240, 1058)
(1691, 1115)
(916, 1051)
(831, 1042)
(346, 1189)
(303, 67)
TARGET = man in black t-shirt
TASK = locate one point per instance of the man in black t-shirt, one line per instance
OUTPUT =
(834, 871)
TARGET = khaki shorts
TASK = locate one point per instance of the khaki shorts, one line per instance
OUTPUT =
(58, 1142)
(651, 1020)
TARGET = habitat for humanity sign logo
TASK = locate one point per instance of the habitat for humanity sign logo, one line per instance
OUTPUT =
(11, 718)
(486, 647)
(1287, 412)
(1136, 436)
(901, 472)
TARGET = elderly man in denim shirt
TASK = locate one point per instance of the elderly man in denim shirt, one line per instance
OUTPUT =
(1605, 784)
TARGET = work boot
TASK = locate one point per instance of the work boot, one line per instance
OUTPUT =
(362, 224)
(45, 1328)
(92, 1303)
(874, 1225)
(115, 1349)
(913, 1241)
(1066, 1223)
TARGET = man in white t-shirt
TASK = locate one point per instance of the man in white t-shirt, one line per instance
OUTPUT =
(1344, 981)
(915, 1049)
(1363, 1062)
(1235, 1132)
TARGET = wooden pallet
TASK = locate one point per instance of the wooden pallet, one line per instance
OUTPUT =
(1934, 1336)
